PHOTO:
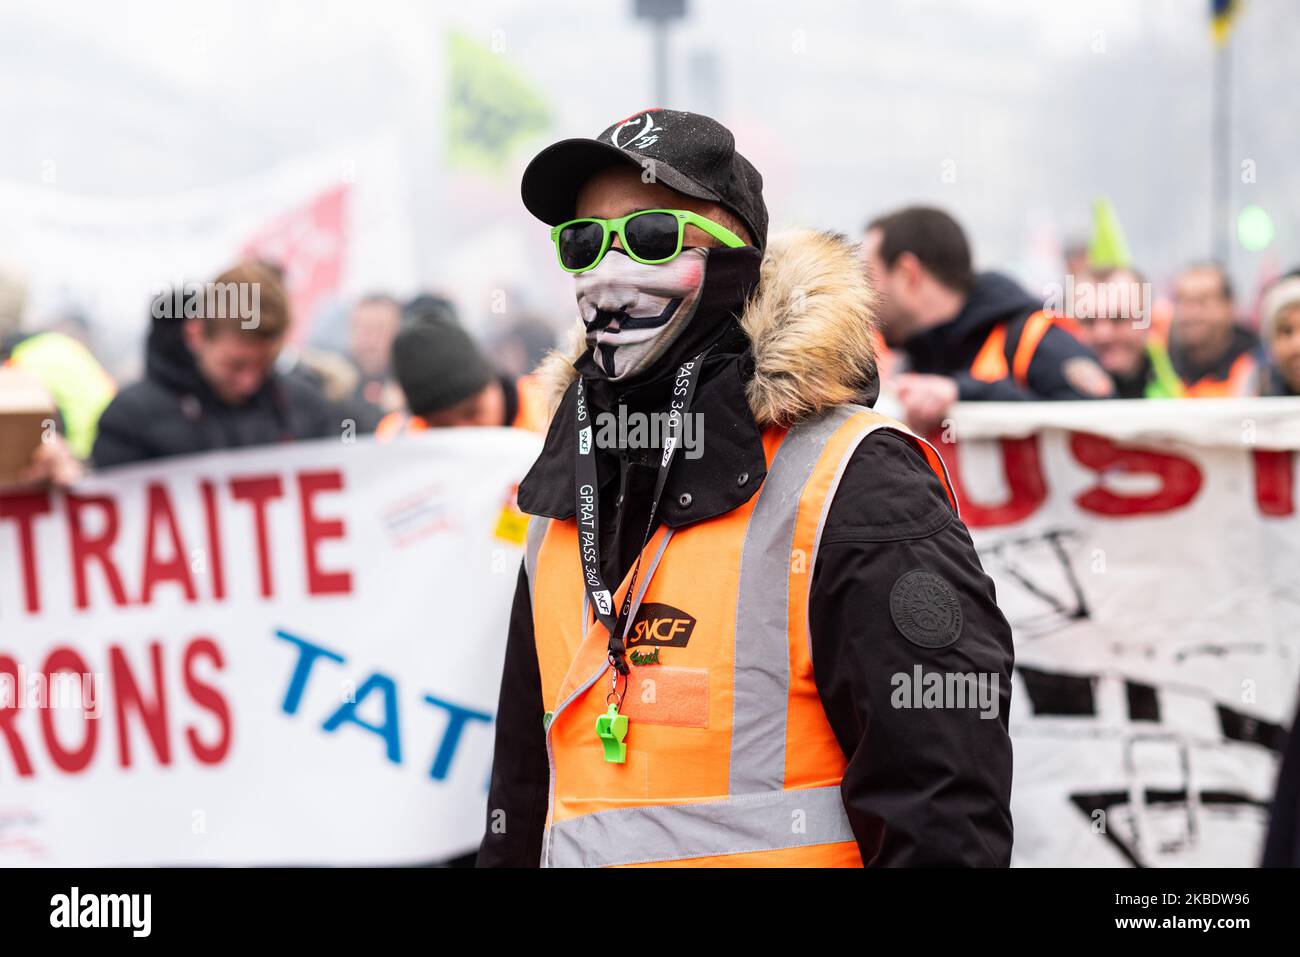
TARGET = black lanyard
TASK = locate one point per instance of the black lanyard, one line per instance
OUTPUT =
(587, 504)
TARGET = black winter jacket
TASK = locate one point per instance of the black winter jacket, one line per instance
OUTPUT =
(1062, 367)
(173, 411)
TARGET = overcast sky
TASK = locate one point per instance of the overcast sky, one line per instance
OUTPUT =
(1013, 114)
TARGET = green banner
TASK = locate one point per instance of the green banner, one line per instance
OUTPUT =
(492, 107)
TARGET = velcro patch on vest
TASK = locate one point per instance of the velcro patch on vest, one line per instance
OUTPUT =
(926, 609)
(659, 624)
(678, 697)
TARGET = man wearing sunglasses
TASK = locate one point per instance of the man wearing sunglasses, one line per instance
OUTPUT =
(735, 658)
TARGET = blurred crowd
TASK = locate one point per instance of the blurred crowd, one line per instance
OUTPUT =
(216, 379)
(213, 380)
(1105, 332)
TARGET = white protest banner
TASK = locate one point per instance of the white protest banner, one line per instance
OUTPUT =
(333, 220)
(296, 650)
(1146, 555)
(292, 654)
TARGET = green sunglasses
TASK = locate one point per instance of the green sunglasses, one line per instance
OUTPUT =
(648, 236)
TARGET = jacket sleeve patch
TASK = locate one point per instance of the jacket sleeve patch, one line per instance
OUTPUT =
(925, 608)
(1087, 377)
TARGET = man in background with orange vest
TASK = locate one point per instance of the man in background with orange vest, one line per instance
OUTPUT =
(448, 382)
(764, 637)
(967, 337)
(1213, 355)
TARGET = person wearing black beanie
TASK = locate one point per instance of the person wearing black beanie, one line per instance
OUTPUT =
(448, 382)
(441, 370)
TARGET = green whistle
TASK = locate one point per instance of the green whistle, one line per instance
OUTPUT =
(611, 728)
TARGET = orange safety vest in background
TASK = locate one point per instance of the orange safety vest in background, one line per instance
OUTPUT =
(731, 760)
(398, 423)
(991, 364)
(532, 414)
(1241, 377)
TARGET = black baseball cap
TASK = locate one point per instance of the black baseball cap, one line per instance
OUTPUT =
(690, 153)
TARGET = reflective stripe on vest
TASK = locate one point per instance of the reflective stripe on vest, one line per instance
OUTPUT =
(656, 834)
(536, 532)
(990, 364)
(731, 760)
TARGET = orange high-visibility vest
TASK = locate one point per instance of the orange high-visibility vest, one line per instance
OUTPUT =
(731, 761)
(990, 363)
(532, 414)
(398, 423)
(1239, 382)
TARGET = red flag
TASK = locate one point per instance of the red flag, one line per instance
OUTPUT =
(308, 244)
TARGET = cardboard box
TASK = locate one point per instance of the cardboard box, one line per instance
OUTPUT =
(25, 408)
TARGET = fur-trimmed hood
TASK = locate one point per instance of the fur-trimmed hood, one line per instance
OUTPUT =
(811, 325)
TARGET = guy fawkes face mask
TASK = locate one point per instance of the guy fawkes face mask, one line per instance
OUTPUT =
(633, 312)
